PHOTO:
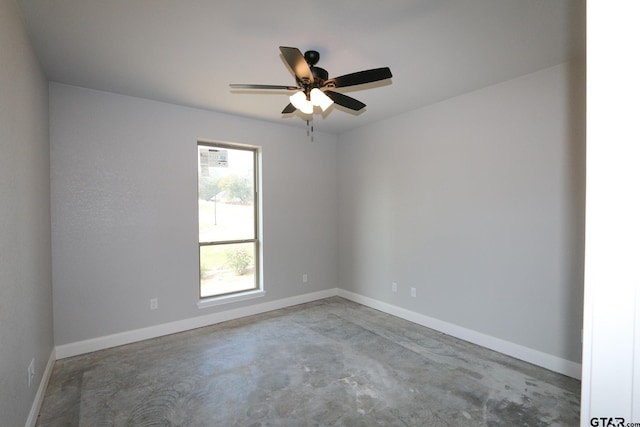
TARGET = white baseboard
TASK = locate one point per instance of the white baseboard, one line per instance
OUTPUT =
(128, 337)
(535, 357)
(42, 388)
(545, 360)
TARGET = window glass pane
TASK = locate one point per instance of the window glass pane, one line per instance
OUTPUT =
(226, 192)
(227, 268)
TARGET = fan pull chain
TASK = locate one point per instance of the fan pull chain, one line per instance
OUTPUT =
(310, 130)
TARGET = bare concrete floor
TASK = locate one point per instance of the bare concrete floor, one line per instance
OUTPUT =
(326, 363)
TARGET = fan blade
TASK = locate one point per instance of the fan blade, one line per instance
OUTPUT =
(344, 100)
(360, 77)
(296, 61)
(249, 86)
(289, 109)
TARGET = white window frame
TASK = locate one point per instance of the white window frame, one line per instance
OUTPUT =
(258, 291)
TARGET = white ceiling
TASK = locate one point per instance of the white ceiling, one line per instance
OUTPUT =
(188, 51)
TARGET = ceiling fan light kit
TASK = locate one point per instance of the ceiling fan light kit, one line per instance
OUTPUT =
(300, 101)
(313, 85)
(318, 98)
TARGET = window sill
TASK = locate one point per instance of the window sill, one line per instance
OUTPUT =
(227, 299)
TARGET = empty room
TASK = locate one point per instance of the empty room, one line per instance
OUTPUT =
(351, 213)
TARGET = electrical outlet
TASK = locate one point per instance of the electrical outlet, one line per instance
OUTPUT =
(394, 287)
(305, 278)
(31, 371)
(413, 292)
(153, 304)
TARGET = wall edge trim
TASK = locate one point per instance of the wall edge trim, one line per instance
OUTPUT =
(135, 335)
(42, 388)
(535, 357)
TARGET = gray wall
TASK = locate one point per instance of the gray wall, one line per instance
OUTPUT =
(26, 329)
(124, 210)
(478, 203)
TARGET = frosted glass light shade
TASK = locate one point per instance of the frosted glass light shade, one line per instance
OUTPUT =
(320, 99)
(300, 101)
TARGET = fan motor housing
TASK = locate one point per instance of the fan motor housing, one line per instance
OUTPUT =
(319, 74)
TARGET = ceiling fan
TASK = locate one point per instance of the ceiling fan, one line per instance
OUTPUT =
(313, 85)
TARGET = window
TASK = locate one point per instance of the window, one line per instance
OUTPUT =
(228, 219)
